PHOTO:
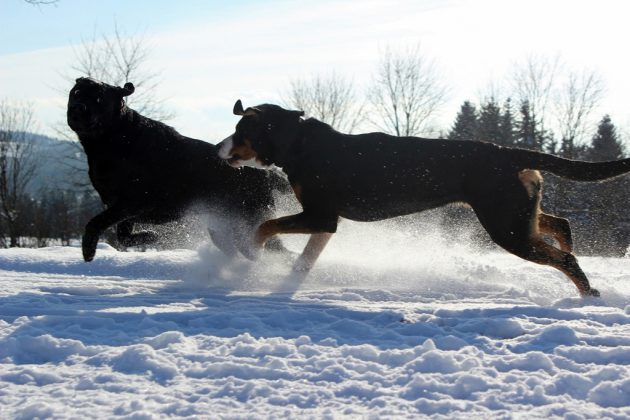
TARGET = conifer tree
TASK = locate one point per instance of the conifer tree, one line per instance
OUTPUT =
(605, 144)
(490, 122)
(466, 124)
(528, 135)
(507, 124)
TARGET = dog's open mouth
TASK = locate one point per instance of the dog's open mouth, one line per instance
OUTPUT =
(237, 161)
(234, 160)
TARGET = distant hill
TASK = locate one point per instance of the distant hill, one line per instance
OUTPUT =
(61, 165)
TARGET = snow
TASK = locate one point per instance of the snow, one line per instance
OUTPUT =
(391, 322)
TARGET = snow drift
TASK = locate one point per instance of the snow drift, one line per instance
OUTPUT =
(391, 322)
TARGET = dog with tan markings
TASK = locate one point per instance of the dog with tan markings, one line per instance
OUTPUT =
(375, 176)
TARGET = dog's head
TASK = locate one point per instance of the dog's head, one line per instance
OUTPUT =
(94, 105)
(262, 137)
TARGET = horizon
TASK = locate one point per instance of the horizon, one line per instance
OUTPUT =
(209, 54)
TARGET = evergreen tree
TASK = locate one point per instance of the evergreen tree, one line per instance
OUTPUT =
(528, 135)
(567, 148)
(605, 144)
(526, 131)
(506, 125)
(607, 201)
(465, 126)
(490, 122)
(553, 146)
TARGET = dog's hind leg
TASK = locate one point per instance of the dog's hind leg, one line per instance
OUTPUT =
(531, 246)
(224, 240)
(511, 219)
(558, 228)
(275, 245)
(126, 237)
(540, 252)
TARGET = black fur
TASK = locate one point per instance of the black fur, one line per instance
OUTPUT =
(146, 172)
(376, 176)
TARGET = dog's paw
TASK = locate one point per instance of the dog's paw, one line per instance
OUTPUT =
(88, 246)
(591, 293)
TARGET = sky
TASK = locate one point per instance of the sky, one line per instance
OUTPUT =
(210, 53)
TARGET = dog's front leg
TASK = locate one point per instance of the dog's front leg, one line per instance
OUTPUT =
(320, 227)
(97, 225)
(316, 244)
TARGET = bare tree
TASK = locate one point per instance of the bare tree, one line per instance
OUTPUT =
(533, 80)
(576, 99)
(41, 2)
(17, 165)
(406, 92)
(331, 99)
(118, 59)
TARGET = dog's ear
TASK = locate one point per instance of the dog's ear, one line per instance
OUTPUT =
(127, 90)
(238, 109)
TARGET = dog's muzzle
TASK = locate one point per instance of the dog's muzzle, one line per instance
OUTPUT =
(225, 148)
(225, 153)
(78, 109)
(235, 160)
(77, 112)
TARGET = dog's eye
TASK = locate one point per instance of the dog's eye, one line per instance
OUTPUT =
(76, 92)
(98, 100)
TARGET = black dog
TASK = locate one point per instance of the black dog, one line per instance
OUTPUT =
(376, 176)
(146, 172)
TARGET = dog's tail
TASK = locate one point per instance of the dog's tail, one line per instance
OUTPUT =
(572, 169)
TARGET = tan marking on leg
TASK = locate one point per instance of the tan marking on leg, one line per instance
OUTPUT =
(532, 181)
(266, 231)
(281, 225)
(543, 253)
(558, 228)
(313, 249)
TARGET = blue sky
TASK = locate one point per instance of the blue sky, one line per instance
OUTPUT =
(37, 27)
(210, 53)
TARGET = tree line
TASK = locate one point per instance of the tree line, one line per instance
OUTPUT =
(547, 108)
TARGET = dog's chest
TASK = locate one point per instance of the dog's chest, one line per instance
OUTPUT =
(112, 177)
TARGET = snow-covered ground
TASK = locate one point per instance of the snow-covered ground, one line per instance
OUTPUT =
(388, 324)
